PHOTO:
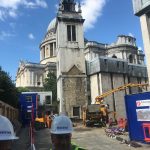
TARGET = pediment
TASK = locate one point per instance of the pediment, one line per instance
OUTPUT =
(74, 71)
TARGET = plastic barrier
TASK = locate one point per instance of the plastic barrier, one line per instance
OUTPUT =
(146, 129)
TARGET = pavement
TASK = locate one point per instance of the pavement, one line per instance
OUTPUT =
(96, 139)
(42, 139)
(23, 143)
(88, 138)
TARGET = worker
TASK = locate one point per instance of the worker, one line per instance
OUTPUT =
(61, 132)
(47, 118)
(104, 111)
(7, 134)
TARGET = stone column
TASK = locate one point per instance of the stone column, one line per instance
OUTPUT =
(33, 78)
(36, 81)
(53, 49)
(41, 54)
(146, 40)
(62, 107)
(30, 78)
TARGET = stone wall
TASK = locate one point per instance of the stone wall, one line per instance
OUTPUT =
(107, 73)
(74, 94)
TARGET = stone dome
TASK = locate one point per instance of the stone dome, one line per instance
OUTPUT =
(51, 25)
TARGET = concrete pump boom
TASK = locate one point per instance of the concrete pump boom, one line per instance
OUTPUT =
(101, 97)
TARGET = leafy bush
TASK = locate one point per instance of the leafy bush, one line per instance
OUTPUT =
(8, 91)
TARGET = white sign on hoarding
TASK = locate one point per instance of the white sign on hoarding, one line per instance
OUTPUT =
(29, 110)
(29, 106)
(142, 103)
(143, 114)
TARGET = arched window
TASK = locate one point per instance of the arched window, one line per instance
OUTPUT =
(51, 49)
(114, 56)
(130, 59)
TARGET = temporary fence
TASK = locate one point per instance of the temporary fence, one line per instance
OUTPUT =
(32, 138)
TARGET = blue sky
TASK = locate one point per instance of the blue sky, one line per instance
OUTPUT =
(23, 24)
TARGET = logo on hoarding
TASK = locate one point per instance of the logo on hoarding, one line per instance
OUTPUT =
(142, 103)
(138, 103)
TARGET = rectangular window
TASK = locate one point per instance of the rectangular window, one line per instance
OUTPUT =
(71, 32)
(38, 98)
(76, 111)
(54, 50)
(48, 99)
(44, 52)
(28, 115)
(28, 98)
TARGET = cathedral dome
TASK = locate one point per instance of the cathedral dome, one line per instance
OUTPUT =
(48, 45)
(51, 25)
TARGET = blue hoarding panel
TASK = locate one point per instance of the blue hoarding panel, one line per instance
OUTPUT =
(26, 102)
(137, 108)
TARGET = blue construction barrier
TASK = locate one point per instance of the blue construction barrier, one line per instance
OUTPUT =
(138, 113)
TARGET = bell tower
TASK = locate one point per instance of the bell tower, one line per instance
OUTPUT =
(71, 71)
(68, 5)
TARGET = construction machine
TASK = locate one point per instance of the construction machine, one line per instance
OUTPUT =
(100, 99)
(97, 114)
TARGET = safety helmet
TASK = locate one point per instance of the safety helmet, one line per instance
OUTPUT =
(61, 125)
(6, 129)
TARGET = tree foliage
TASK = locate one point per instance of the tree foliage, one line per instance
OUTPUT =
(8, 91)
(50, 84)
(23, 89)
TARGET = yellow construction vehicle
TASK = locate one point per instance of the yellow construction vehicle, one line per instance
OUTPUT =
(95, 115)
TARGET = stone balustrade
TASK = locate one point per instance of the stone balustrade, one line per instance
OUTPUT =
(8, 111)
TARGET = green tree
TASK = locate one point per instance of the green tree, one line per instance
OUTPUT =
(23, 89)
(8, 91)
(50, 84)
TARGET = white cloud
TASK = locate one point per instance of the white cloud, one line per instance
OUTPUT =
(130, 34)
(2, 15)
(35, 4)
(13, 4)
(10, 7)
(31, 36)
(41, 3)
(139, 48)
(4, 35)
(12, 14)
(91, 11)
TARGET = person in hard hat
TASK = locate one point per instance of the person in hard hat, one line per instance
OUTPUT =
(7, 134)
(61, 132)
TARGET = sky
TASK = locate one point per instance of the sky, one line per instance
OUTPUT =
(23, 25)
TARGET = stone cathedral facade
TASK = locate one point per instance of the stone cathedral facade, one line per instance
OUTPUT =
(85, 69)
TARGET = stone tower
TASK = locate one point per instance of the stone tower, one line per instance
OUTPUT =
(71, 71)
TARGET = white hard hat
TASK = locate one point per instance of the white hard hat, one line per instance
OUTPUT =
(6, 129)
(61, 125)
